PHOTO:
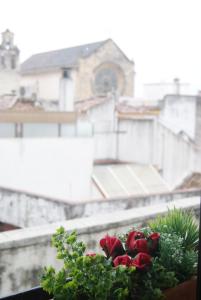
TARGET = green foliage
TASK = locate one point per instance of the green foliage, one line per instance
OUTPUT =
(182, 224)
(95, 277)
(174, 257)
(84, 277)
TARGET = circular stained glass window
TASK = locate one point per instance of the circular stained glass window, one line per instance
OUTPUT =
(105, 81)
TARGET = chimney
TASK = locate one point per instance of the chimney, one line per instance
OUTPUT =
(66, 93)
(177, 86)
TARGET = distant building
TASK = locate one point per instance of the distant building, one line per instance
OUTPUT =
(65, 76)
(158, 90)
(9, 65)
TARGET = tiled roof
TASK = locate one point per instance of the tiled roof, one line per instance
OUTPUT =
(84, 105)
(12, 103)
(26, 106)
(129, 111)
(7, 101)
(7, 227)
(123, 109)
(192, 181)
(63, 58)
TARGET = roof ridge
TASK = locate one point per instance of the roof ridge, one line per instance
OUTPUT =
(82, 45)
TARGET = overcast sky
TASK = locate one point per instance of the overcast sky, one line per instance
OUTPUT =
(163, 37)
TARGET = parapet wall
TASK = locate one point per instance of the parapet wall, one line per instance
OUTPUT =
(25, 252)
(25, 209)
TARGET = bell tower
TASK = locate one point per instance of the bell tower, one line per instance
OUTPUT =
(9, 53)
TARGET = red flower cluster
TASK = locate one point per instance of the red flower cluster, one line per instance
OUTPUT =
(112, 246)
(138, 249)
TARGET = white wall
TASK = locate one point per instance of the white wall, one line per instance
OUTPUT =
(104, 124)
(9, 81)
(46, 84)
(25, 209)
(156, 91)
(136, 140)
(177, 156)
(55, 167)
(179, 113)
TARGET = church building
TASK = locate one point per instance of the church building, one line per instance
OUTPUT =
(80, 73)
(9, 65)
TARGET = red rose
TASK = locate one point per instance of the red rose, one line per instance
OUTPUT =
(132, 236)
(140, 245)
(91, 254)
(154, 238)
(112, 246)
(136, 242)
(141, 261)
(124, 260)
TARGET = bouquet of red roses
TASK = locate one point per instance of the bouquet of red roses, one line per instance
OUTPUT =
(138, 251)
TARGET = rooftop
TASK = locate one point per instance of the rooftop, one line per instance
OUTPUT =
(63, 58)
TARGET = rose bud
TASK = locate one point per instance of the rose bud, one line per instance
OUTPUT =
(136, 242)
(124, 260)
(132, 236)
(153, 241)
(112, 246)
(140, 245)
(141, 261)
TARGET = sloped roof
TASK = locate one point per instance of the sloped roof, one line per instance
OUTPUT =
(63, 58)
(124, 110)
(7, 101)
(120, 180)
(85, 105)
(191, 181)
(127, 111)
(13, 103)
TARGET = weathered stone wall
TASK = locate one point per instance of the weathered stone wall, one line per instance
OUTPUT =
(25, 252)
(25, 210)
(108, 54)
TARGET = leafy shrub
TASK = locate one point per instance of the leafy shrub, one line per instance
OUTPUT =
(182, 224)
(138, 265)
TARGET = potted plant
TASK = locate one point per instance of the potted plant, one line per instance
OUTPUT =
(156, 262)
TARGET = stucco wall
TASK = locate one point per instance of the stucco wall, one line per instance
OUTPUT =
(130, 140)
(24, 209)
(53, 167)
(25, 252)
(179, 114)
(108, 53)
(136, 140)
(103, 121)
(46, 84)
(177, 155)
(9, 81)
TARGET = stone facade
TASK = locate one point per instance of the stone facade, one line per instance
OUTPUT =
(105, 69)
(110, 59)
(9, 65)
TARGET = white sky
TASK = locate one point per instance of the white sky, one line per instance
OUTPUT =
(163, 37)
